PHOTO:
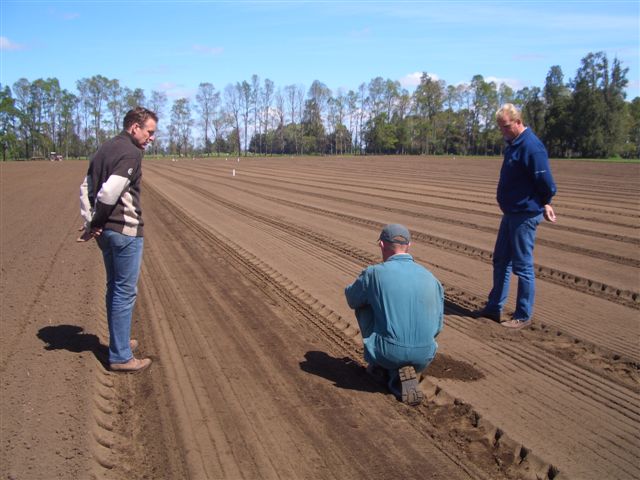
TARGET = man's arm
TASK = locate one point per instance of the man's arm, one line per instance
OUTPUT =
(356, 293)
(543, 179)
(85, 205)
(111, 190)
(86, 212)
(107, 198)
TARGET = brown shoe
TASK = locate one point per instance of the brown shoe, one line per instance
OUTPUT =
(516, 324)
(132, 366)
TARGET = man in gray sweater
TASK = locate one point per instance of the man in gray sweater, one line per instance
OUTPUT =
(110, 204)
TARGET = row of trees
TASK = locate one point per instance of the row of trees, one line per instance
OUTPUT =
(586, 116)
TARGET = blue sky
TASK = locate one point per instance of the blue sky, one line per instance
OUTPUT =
(173, 46)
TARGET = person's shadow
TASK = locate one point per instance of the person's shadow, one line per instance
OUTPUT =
(73, 339)
(343, 372)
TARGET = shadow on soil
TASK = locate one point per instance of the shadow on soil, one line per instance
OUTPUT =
(446, 367)
(343, 372)
(73, 339)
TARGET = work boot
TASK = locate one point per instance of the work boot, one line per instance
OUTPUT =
(411, 393)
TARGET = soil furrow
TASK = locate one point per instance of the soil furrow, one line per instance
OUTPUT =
(618, 295)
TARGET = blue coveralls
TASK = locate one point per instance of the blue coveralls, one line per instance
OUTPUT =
(399, 306)
(525, 187)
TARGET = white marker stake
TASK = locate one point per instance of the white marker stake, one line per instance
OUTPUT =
(234, 173)
(238, 159)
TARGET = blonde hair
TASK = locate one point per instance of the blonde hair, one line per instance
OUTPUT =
(508, 110)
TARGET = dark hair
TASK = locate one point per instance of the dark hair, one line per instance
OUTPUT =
(138, 115)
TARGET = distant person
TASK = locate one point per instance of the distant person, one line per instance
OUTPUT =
(110, 204)
(399, 307)
(524, 194)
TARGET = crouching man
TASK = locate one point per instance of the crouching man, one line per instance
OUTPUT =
(399, 307)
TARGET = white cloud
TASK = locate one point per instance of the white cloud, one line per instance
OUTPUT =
(214, 51)
(175, 91)
(512, 82)
(413, 79)
(70, 16)
(8, 45)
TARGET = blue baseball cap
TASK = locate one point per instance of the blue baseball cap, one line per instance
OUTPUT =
(395, 233)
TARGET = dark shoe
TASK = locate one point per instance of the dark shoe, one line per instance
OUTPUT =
(377, 372)
(484, 313)
(132, 366)
(393, 383)
(411, 393)
(514, 324)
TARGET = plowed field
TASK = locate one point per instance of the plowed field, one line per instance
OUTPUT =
(258, 369)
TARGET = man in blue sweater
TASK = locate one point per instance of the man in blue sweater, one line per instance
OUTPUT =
(399, 307)
(524, 194)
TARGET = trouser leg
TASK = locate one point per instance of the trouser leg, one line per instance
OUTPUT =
(524, 236)
(364, 316)
(123, 257)
(501, 268)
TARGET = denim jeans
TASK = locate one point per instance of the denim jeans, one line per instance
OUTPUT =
(514, 252)
(122, 259)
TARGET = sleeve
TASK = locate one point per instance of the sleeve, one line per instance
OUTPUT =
(542, 177)
(111, 190)
(441, 303)
(86, 211)
(356, 293)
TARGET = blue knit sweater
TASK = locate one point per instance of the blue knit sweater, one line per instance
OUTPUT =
(526, 184)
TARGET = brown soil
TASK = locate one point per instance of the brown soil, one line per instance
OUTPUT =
(258, 367)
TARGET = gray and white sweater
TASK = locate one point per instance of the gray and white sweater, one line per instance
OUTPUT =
(110, 193)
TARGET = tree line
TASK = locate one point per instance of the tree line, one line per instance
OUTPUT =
(586, 116)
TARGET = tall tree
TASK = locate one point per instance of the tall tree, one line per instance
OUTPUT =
(208, 101)
(233, 105)
(245, 95)
(68, 140)
(598, 95)
(8, 118)
(279, 113)
(116, 104)
(313, 121)
(93, 92)
(428, 100)
(266, 101)
(254, 101)
(134, 98)
(157, 103)
(24, 107)
(632, 147)
(557, 119)
(181, 124)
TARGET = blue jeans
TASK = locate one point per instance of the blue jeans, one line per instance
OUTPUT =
(122, 259)
(514, 252)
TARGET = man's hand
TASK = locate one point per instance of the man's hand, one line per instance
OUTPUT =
(549, 214)
(88, 234)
